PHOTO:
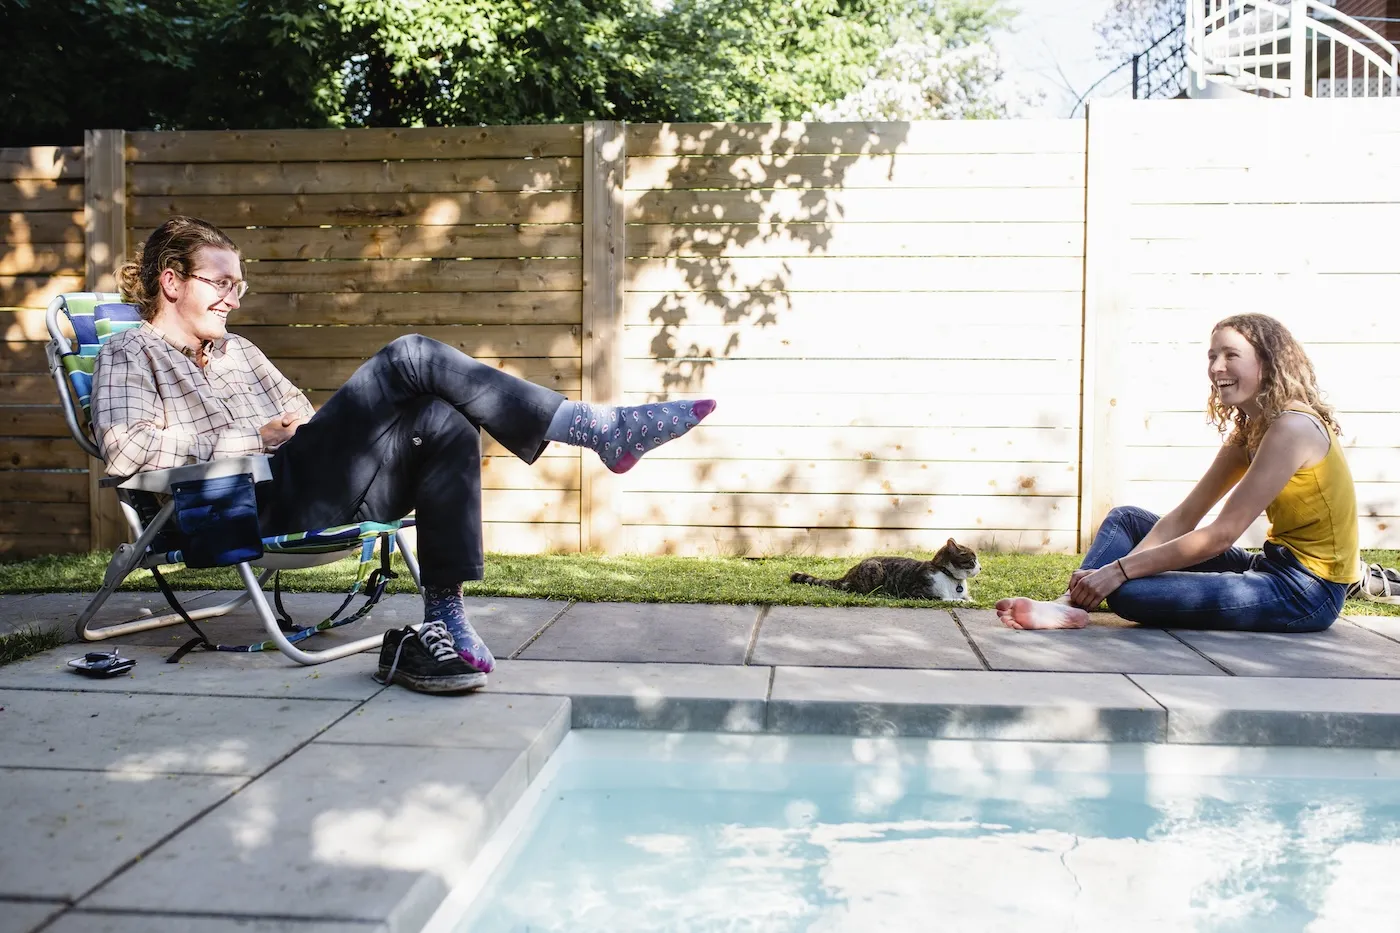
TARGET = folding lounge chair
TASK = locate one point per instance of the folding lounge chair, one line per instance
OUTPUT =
(149, 503)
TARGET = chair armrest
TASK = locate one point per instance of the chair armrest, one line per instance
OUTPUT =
(162, 480)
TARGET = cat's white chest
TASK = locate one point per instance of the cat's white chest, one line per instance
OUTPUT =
(948, 588)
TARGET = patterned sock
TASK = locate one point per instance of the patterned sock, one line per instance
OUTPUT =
(621, 434)
(444, 603)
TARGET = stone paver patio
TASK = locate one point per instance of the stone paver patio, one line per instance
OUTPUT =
(242, 792)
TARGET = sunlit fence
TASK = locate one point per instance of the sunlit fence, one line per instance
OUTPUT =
(990, 330)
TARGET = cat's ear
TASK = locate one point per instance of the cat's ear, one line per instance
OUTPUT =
(952, 544)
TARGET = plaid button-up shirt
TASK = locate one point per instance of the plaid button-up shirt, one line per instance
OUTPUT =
(154, 407)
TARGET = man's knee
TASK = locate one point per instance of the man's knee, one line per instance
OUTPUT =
(432, 422)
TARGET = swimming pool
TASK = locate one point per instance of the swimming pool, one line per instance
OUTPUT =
(659, 831)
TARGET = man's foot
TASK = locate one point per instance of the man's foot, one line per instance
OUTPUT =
(1021, 612)
(425, 661)
(470, 647)
(621, 435)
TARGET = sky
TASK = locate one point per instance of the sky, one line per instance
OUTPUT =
(1050, 37)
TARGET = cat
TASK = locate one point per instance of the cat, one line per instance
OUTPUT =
(945, 577)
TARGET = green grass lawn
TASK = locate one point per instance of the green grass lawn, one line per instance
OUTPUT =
(592, 578)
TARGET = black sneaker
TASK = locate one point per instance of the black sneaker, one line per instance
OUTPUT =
(426, 661)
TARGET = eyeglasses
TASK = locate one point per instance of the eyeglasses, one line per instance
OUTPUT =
(238, 288)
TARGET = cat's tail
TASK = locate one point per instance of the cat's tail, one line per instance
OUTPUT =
(816, 581)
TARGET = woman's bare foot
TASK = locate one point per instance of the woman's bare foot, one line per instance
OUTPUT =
(1021, 612)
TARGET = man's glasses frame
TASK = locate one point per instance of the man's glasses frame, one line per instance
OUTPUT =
(239, 288)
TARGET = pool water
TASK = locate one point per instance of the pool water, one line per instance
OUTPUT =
(650, 831)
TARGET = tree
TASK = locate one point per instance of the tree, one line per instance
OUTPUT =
(197, 64)
(1130, 26)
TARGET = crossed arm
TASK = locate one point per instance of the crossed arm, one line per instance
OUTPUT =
(1292, 442)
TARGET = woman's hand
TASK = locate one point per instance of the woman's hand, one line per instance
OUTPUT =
(1088, 588)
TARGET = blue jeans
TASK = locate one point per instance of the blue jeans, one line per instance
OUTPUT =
(1268, 592)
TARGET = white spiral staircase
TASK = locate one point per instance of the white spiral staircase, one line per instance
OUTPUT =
(1286, 48)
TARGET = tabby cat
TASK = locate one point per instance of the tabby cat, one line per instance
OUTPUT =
(944, 577)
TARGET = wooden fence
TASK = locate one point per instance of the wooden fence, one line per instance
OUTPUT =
(993, 330)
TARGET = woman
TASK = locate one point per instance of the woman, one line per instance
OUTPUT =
(402, 434)
(1281, 457)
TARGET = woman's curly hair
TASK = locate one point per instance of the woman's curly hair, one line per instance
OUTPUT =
(1286, 375)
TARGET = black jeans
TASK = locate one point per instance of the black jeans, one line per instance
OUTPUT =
(403, 434)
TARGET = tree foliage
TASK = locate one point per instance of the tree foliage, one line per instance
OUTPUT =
(195, 64)
(1129, 26)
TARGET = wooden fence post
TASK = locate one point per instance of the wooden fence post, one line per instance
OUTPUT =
(1105, 340)
(604, 261)
(104, 223)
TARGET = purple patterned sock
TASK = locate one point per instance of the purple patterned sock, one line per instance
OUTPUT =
(444, 603)
(620, 434)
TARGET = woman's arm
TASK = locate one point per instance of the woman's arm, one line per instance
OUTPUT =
(1229, 465)
(1289, 444)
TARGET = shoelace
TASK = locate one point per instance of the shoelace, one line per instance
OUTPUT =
(435, 638)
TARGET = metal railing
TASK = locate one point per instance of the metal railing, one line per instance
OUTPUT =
(1291, 48)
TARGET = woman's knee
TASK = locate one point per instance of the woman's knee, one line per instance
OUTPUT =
(1130, 515)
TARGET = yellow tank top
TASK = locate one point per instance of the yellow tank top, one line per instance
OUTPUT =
(1315, 516)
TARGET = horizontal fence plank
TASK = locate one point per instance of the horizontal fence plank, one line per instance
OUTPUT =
(561, 375)
(28, 389)
(886, 274)
(793, 337)
(22, 356)
(43, 486)
(890, 477)
(1355, 180)
(41, 453)
(1228, 252)
(50, 162)
(700, 541)
(311, 210)
(838, 239)
(1373, 500)
(509, 472)
(944, 311)
(364, 340)
(530, 505)
(412, 309)
(1145, 323)
(910, 205)
(36, 291)
(723, 376)
(998, 445)
(980, 170)
(1169, 428)
(26, 546)
(43, 518)
(764, 510)
(46, 258)
(43, 227)
(531, 538)
(934, 136)
(429, 275)
(834, 409)
(405, 177)
(1188, 464)
(32, 421)
(38, 194)
(490, 241)
(466, 142)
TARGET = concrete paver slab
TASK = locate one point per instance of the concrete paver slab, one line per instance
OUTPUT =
(1344, 650)
(876, 636)
(203, 673)
(647, 632)
(684, 697)
(65, 831)
(1389, 626)
(25, 916)
(962, 704)
(535, 724)
(1094, 649)
(77, 921)
(168, 734)
(60, 611)
(1278, 711)
(336, 832)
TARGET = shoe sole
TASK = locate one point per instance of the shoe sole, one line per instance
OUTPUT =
(455, 683)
